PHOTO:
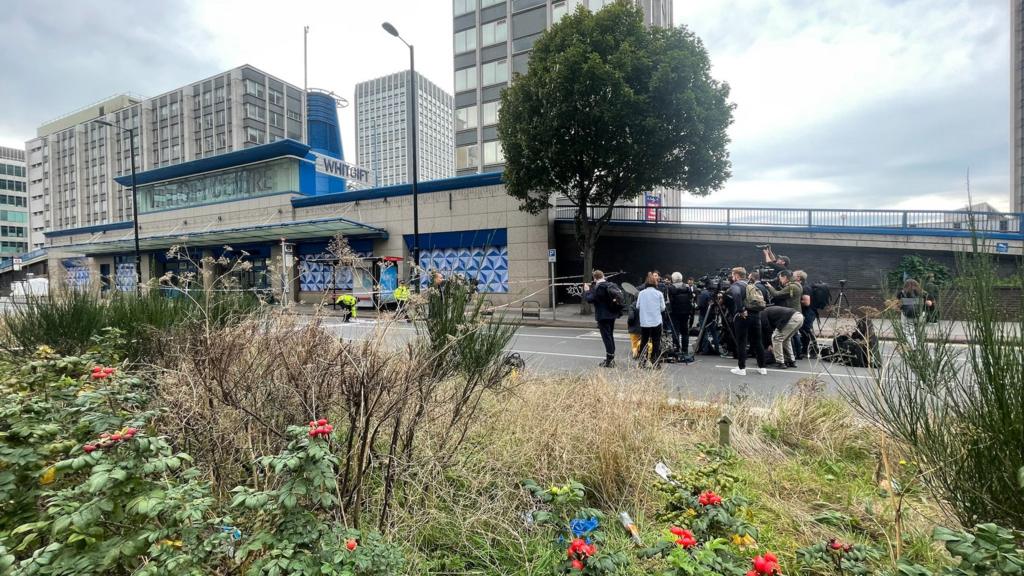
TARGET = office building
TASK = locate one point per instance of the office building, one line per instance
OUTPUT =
(493, 39)
(14, 228)
(73, 161)
(382, 140)
(1017, 105)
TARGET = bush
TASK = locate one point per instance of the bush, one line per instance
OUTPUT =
(959, 410)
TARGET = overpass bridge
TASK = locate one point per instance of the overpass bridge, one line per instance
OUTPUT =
(830, 244)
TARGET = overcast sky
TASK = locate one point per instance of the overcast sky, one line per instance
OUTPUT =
(840, 103)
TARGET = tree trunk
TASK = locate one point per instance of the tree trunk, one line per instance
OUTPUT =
(588, 266)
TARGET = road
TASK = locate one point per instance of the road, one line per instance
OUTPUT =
(578, 350)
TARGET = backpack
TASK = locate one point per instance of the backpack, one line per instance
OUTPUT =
(614, 297)
(753, 301)
(820, 296)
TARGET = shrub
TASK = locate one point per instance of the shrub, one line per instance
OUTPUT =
(959, 410)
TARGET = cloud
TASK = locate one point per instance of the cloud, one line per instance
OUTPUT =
(59, 57)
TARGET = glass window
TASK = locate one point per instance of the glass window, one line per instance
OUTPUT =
(465, 41)
(467, 156)
(276, 97)
(174, 108)
(222, 140)
(596, 5)
(494, 32)
(465, 79)
(493, 153)
(219, 117)
(465, 118)
(558, 10)
(254, 111)
(486, 3)
(254, 135)
(490, 110)
(494, 72)
(218, 94)
(208, 120)
(254, 88)
(461, 7)
(163, 112)
(276, 120)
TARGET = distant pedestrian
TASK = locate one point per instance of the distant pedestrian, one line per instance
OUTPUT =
(913, 303)
(608, 302)
(651, 304)
(746, 303)
(681, 298)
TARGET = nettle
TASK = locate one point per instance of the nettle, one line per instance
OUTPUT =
(576, 527)
(298, 527)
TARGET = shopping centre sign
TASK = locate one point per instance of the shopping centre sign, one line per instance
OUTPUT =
(341, 169)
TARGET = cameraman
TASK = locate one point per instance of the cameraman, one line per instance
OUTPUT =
(790, 294)
(681, 298)
(806, 332)
(708, 310)
(778, 263)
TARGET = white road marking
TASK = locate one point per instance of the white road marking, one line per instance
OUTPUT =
(822, 373)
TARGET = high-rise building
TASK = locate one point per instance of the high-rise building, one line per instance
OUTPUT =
(493, 39)
(382, 139)
(73, 160)
(14, 228)
(1017, 105)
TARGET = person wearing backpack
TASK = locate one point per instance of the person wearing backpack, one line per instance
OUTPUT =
(608, 301)
(747, 303)
(651, 304)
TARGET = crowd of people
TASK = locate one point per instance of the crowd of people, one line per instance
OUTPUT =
(743, 316)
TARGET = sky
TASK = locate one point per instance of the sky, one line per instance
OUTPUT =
(839, 103)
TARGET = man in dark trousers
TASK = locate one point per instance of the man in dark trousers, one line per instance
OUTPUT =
(681, 298)
(746, 319)
(603, 295)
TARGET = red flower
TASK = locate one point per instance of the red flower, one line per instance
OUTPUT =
(351, 544)
(115, 437)
(835, 544)
(577, 565)
(89, 448)
(321, 422)
(751, 573)
(771, 557)
(686, 542)
(676, 530)
(709, 498)
(312, 423)
(767, 564)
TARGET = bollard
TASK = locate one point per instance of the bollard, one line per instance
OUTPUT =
(723, 430)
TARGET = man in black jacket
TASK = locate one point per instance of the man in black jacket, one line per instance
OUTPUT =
(680, 295)
(598, 295)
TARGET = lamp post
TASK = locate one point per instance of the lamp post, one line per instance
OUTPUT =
(135, 203)
(412, 129)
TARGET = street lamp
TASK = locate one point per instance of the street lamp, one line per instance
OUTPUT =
(415, 172)
(135, 203)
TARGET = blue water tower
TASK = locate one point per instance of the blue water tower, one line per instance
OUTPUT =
(322, 126)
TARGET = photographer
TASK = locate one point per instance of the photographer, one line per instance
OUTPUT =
(778, 263)
(708, 310)
(788, 295)
(681, 298)
(783, 322)
(808, 345)
(746, 304)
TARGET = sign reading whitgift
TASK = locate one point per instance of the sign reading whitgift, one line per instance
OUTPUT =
(342, 169)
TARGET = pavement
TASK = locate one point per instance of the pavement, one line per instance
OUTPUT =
(575, 350)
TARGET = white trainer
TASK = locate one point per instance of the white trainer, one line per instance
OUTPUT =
(739, 371)
(762, 371)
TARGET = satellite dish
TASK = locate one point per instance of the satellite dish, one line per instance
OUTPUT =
(630, 289)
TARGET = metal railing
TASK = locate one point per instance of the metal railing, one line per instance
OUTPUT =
(937, 222)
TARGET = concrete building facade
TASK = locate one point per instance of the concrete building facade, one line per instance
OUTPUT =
(73, 161)
(492, 41)
(383, 140)
(1017, 105)
(14, 226)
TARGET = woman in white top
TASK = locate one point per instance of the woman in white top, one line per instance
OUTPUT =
(650, 305)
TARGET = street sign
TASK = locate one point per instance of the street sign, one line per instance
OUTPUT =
(17, 264)
(552, 255)
(1002, 247)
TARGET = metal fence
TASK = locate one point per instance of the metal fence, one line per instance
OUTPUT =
(942, 222)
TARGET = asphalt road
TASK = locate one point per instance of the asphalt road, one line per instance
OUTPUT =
(576, 350)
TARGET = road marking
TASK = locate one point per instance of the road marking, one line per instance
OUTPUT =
(558, 354)
(822, 373)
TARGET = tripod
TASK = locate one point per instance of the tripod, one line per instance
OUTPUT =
(719, 314)
(835, 314)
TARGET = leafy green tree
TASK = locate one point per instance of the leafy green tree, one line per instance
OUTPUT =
(611, 109)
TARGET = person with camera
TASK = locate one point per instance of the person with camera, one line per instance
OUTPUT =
(783, 322)
(608, 301)
(707, 309)
(789, 294)
(746, 304)
(808, 344)
(681, 299)
(776, 262)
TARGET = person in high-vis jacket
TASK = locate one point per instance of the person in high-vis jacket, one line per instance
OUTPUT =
(348, 303)
(401, 295)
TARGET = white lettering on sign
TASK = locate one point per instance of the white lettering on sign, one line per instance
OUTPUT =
(342, 169)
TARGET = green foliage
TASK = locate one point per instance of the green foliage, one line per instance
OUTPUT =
(958, 409)
(610, 109)
(928, 272)
(713, 558)
(834, 557)
(987, 550)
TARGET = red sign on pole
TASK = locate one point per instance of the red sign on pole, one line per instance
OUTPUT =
(653, 203)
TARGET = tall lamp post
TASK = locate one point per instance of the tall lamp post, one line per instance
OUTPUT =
(135, 203)
(412, 129)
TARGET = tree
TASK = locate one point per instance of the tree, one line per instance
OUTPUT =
(609, 110)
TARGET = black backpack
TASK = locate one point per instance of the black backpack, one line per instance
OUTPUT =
(614, 297)
(821, 296)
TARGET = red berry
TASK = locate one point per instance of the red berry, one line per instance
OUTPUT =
(351, 544)
(321, 422)
(88, 448)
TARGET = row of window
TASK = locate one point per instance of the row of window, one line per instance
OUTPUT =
(469, 156)
(13, 247)
(466, 118)
(460, 7)
(13, 185)
(13, 200)
(490, 73)
(491, 33)
(16, 231)
(12, 170)
(13, 216)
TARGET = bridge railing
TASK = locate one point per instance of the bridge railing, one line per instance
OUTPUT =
(951, 222)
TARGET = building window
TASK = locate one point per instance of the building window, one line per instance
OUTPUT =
(596, 5)
(208, 120)
(219, 117)
(465, 79)
(222, 140)
(254, 88)
(467, 156)
(276, 97)
(292, 115)
(254, 111)
(493, 153)
(486, 3)
(493, 73)
(494, 32)
(163, 112)
(465, 118)
(254, 135)
(174, 109)
(276, 120)
(218, 94)
(465, 41)
(461, 7)
(490, 110)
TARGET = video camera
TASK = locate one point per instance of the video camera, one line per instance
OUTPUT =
(717, 281)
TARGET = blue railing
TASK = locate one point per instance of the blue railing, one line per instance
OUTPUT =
(7, 263)
(935, 222)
